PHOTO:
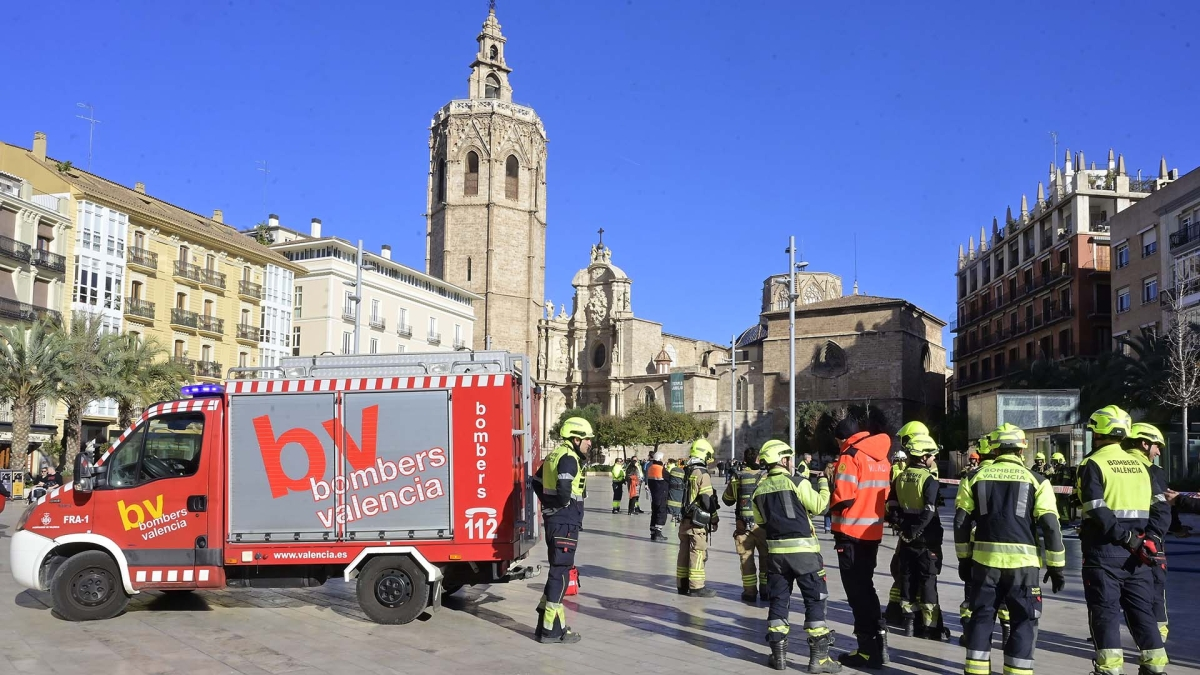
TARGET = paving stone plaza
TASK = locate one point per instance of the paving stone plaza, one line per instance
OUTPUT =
(628, 611)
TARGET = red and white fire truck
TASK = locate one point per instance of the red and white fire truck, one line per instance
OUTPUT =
(407, 472)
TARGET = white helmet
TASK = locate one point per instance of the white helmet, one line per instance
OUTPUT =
(658, 456)
(900, 456)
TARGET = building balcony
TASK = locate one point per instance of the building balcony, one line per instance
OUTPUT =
(247, 332)
(434, 338)
(249, 289)
(1186, 237)
(181, 318)
(348, 314)
(212, 278)
(459, 343)
(142, 258)
(404, 330)
(378, 323)
(210, 324)
(208, 369)
(14, 250)
(22, 311)
(187, 365)
(47, 260)
(187, 272)
(139, 310)
(1142, 184)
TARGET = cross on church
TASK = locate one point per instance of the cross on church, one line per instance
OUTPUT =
(601, 236)
(491, 5)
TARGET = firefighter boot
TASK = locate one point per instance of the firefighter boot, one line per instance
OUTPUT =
(749, 596)
(702, 592)
(681, 586)
(908, 624)
(1005, 632)
(778, 659)
(868, 655)
(818, 655)
(883, 644)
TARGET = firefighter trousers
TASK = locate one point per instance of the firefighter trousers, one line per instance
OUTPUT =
(618, 490)
(917, 570)
(658, 504)
(992, 587)
(856, 563)
(1160, 601)
(807, 572)
(562, 538)
(749, 539)
(693, 554)
(1116, 586)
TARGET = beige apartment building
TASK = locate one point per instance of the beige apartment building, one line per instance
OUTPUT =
(400, 309)
(1155, 245)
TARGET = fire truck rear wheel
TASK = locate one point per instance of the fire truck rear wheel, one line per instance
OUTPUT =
(392, 589)
(87, 587)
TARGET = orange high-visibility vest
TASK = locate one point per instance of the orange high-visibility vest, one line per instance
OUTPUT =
(861, 487)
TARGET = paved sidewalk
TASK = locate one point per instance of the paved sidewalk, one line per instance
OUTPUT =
(631, 618)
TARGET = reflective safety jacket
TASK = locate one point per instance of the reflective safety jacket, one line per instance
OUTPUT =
(1005, 504)
(561, 470)
(618, 473)
(741, 489)
(861, 487)
(914, 501)
(801, 468)
(1160, 510)
(784, 505)
(1114, 490)
(698, 489)
(655, 472)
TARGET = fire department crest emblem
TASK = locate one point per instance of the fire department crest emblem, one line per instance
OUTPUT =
(46, 519)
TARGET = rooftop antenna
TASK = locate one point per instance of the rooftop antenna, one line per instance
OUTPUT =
(92, 122)
(1054, 139)
(262, 166)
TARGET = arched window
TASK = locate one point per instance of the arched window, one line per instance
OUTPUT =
(471, 180)
(491, 86)
(599, 356)
(493, 53)
(833, 356)
(512, 179)
(439, 178)
(743, 389)
(926, 359)
(468, 268)
(648, 396)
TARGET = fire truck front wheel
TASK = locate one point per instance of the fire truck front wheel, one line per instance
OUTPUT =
(392, 589)
(87, 587)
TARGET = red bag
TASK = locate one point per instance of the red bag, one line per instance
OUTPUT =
(572, 581)
(3, 502)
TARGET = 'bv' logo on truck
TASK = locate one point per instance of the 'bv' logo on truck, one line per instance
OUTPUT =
(272, 450)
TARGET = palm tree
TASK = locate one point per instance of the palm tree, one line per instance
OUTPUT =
(140, 374)
(31, 358)
(84, 376)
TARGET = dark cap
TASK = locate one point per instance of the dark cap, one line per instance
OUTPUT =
(846, 428)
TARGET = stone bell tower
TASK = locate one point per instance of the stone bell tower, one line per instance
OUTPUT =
(486, 216)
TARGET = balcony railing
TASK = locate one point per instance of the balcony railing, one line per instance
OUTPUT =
(434, 338)
(188, 365)
(250, 289)
(142, 258)
(212, 278)
(378, 322)
(1142, 184)
(54, 261)
(459, 343)
(11, 248)
(1185, 236)
(182, 317)
(185, 270)
(208, 369)
(210, 324)
(405, 330)
(23, 311)
(138, 307)
(246, 331)
(348, 314)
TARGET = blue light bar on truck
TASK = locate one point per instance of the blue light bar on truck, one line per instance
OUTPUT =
(202, 390)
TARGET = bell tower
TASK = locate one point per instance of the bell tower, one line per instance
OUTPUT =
(486, 214)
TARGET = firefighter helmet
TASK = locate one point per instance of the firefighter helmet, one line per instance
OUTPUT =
(1058, 457)
(1110, 421)
(1008, 437)
(1148, 433)
(576, 427)
(1039, 456)
(900, 456)
(911, 429)
(701, 449)
(920, 445)
(774, 451)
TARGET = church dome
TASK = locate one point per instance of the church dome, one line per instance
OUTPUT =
(663, 356)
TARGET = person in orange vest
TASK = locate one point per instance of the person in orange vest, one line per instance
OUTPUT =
(633, 476)
(862, 480)
(656, 481)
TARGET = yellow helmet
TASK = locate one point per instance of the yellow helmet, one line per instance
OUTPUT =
(1147, 432)
(1110, 421)
(1040, 455)
(1008, 437)
(701, 449)
(773, 451)
(911, 429)
(1058, 457)
(919, 445)
(576, 427)
(985, 445)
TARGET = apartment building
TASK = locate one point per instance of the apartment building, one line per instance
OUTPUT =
(1039, 287)
(400, 309)
(1156, 255)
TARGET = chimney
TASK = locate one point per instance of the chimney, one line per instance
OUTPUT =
(385, 252)
(272, 220)
(219, 215)
(139, 187)
(315, 231)
(39, 145)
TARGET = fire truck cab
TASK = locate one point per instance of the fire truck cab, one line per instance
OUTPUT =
(407, 472)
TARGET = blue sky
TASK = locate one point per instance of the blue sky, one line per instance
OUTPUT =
(698, 134)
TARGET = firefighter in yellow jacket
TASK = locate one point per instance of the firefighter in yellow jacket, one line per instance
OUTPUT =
(748, 537)
(699, 520)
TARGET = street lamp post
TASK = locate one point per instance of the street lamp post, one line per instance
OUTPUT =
(732, 397)
(793, 267)
(359, 266)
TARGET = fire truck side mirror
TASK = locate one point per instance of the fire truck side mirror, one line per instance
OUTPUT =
(84, 473)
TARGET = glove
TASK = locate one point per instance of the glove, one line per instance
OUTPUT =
(964, 569)
(1146, 551)
(715, 519)
(1056, 578)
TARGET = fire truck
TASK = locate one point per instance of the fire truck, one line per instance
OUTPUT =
(409, 473)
